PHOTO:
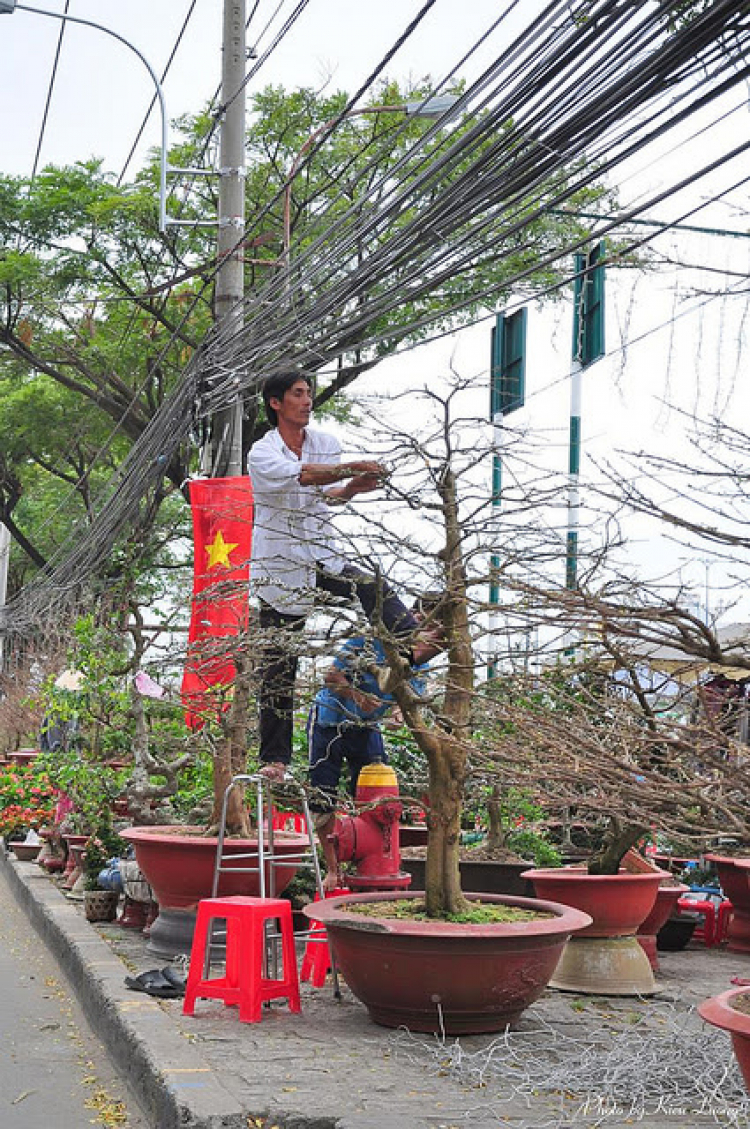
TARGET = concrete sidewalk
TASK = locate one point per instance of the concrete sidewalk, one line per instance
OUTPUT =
(332, 1068)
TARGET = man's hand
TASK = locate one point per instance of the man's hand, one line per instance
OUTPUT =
(367, 467)
(332, 881)
(361, 484)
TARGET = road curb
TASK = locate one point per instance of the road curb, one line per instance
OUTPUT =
(175, 1086)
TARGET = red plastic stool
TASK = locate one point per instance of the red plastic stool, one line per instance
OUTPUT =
(726, 909)
(706, 932)
(245, 981)
(316, 963)
(289, 821)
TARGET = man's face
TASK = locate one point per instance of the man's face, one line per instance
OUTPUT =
(295, 406)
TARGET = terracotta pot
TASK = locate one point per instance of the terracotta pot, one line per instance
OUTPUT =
(100, 905)
(676, 933)
(733, 879)
(604, 959)
(178, 863)
(413, 834)
(617, 903)
(481, 976)
(76, 844)
(663, 908)
(26, 852)
(134, 914)
(718, 1011)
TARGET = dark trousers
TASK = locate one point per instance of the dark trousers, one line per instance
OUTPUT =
(280, 651)
(328, 747)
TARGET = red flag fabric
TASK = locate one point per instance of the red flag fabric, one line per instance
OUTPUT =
(222, 541)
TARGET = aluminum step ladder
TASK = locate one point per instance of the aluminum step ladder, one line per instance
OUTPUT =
(266, 857)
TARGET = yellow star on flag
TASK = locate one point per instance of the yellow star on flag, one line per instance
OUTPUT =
(219, 550)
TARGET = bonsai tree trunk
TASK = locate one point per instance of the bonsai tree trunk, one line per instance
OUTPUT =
(230, 757)
(617, 842)
(496, 834)
(143, 789)
(446, 744)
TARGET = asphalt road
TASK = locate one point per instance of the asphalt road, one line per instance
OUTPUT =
(53, 1069)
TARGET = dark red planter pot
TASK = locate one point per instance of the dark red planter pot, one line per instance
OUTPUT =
(481, 877)
(663, 908)
(178, 863)
(719, 1011)
(733, 878)
(617, 903)
(436, 975)
(23, 756)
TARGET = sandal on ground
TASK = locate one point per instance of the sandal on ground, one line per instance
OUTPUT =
(154, 983)
(175, 978)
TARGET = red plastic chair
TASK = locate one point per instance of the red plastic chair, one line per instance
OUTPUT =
(245, 981)
(707, 931)
(726, 909)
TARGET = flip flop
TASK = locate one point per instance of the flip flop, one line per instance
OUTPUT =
(153, 983)
(175, 978)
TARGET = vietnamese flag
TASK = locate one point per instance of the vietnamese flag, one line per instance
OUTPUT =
(222, 538)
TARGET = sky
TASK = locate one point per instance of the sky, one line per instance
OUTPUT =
(670, 344)
(102, 88)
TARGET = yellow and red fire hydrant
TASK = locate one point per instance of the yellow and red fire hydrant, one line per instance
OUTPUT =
(370, 838)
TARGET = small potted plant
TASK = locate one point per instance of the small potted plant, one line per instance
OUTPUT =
(102, 845)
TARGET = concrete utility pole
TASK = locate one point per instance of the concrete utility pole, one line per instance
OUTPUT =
(226, 431)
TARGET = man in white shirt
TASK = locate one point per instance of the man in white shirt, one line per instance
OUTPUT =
(296, 472)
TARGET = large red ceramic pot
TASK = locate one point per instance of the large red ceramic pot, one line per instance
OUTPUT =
(440, 976)
(719, 1011)
(617, 903)
(733, 879)
(178, 863)
(662, 910)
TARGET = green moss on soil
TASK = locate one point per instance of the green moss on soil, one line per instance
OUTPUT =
(481, 913)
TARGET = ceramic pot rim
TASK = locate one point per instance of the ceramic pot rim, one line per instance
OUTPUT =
(178, 833)
(564, 919)
(718, 1011)
(733, 860)
(580, 874)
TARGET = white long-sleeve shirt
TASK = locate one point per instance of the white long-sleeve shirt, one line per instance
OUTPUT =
(292, 529)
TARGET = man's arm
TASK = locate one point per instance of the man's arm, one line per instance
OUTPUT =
(363, 475)
(337, 681)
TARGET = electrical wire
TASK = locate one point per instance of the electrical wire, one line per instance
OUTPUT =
(48, 102)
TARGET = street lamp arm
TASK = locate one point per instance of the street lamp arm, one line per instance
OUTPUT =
(157, 84)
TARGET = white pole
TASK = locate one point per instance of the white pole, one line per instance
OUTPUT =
(4, 560)
(574, 475)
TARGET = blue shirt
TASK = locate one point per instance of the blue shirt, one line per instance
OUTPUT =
(356, 659)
